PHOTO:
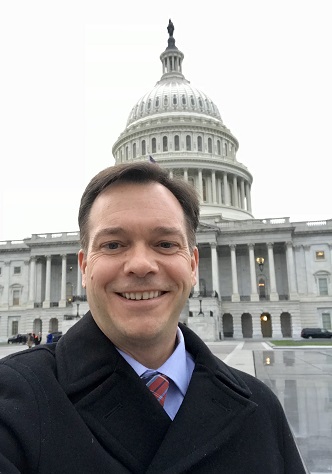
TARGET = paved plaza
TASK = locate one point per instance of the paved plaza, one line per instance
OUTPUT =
(302, 380)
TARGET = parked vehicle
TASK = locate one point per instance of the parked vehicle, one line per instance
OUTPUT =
(308, 333)
(18, 339)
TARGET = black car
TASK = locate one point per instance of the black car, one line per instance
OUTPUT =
(308, 333)
(18, 339)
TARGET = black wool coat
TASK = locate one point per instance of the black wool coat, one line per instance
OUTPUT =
(78, 407)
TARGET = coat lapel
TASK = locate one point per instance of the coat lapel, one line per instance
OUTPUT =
(114, 403)
(213, 411)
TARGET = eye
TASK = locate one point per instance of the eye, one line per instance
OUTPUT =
(112, 245)
(166, 245)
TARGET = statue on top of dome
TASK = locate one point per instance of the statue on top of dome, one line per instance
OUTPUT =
(170, 28)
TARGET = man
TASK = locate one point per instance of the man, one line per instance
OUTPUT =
(84, 405)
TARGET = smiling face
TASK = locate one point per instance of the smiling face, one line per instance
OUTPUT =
(138, 270)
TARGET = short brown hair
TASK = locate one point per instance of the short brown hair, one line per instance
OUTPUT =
(140, 172)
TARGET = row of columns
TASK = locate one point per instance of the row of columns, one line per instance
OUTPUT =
(239, 193)
(63, 296)
(254, 296)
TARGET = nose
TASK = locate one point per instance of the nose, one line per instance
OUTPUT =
(140, 260)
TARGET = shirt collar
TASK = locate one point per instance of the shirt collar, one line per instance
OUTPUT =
(175, 366)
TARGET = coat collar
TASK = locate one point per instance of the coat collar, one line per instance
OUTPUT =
(125, 417)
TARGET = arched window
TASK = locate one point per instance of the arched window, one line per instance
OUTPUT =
(184, 100)
(127, 153)
(166, 100)
(154, 145)
(199, 143)
(176, 143)
(157, 102)
(143, 147)
(188, 143)
(210, 145)
(175, 100)
(218, 147)
(192, 101)
(165, 144)
(226, 149)
(134, 150)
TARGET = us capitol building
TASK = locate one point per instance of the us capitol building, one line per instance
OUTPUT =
(257, 278)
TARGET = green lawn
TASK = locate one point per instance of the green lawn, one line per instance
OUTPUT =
(304, 342)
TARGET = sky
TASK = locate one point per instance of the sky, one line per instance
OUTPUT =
(71, 71)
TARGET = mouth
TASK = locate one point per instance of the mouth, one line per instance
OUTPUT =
(142, 295)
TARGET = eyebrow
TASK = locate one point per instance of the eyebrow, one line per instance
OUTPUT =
(164, 230)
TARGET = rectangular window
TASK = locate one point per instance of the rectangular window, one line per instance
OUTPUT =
(322, 285)
(16, 297)
(326, 320)
(17, 270)
(14, 328)
(320, 255)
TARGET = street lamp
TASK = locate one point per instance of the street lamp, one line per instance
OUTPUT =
(200, 308)
(260, 262)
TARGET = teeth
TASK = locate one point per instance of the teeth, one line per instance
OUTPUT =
(141, 295)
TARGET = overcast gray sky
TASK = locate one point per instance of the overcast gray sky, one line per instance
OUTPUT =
(72, 70)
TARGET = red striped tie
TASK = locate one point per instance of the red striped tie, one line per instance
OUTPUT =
(158, 384)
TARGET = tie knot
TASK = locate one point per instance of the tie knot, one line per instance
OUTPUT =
(158, 384)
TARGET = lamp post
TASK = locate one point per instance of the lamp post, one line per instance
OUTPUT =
(260, 262)
(200, 308)
(77, 300)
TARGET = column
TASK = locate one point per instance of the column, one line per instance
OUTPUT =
(25, 294)
(63, 302)
(308, 263)
(170, 174)
(248, 196)
(226, 190)
(214, 188)
(200, 184)
(47, 301)
(273, 286)
(32, 282)
(6, 280)
(214, 267)
(235, 199)
(253, 279)
(242, 193)
(185, 175)
(293, 294)
(235, 289)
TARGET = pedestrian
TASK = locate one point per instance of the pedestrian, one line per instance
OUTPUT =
(38, 338)
(129, 389)
(30, 341)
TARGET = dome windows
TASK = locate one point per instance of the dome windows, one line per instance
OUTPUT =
(149, 104)
(184, 100)
(188, 143)
(154, 145)
(165, 101)
(199, 143)
(143, 147)
(192, 101)
(209, 145)
(157, 102)
(134, 150)
(200, 102)
(176, 143)
(165, 143)
(175, 99)
(218, 147)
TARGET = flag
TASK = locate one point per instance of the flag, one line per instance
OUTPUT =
(151, 159)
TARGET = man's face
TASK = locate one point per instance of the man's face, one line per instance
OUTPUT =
(138, 270)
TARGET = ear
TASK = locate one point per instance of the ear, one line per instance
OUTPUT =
(194, 266)
(82, 264)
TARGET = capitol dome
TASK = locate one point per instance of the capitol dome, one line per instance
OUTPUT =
(180, 127)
